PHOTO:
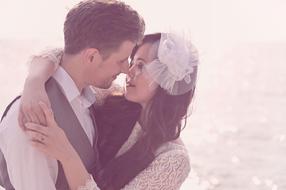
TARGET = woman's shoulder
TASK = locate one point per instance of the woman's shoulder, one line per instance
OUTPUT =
(171, 164)
(168, 170)
(174, 152)
(172, 146)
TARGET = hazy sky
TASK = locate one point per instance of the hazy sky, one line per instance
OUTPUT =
(215, 20)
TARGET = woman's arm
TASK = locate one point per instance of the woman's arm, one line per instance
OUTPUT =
(52, 141)
(77, 175)
(41, 68)
(167, 171)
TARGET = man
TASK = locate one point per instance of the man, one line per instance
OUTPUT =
(99, 38)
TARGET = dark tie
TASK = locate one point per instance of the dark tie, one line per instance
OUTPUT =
(95, 140)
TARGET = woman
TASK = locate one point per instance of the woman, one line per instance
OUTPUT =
(162, 81)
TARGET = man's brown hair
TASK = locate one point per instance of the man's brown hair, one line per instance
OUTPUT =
(101, 24)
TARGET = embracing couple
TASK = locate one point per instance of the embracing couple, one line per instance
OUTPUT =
(73, 129)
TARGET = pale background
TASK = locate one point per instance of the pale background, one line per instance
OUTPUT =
(236, 133)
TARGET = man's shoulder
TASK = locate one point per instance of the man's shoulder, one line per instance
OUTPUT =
(11, 111)
(9, 127)
(8, 108)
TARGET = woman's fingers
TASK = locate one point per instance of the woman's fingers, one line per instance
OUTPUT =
(36, 136)
(33, 117)
(48, 114)
(24, 120)
(43, 146)
(37, 115)
(27, 117)
(37, 128)
(41, 116)
(40, 146)
(21, 119)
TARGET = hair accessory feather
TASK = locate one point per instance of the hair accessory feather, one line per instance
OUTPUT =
(176, 63)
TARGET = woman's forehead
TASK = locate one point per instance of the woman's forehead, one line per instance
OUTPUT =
(148, 51)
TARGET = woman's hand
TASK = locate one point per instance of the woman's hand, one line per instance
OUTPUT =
(50, 139)
(40, 70)
(30, 110)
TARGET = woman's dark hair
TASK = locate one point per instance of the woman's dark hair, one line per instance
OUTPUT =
(162, 122)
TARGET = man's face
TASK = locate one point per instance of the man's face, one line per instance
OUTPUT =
(116, 63)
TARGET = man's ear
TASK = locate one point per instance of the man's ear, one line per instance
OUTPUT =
(92, 56)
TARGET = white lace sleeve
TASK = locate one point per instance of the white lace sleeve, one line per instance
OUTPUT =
(53, 55)
(101, 94)
(167, 172)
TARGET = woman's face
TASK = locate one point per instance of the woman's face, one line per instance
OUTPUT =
(139, 85)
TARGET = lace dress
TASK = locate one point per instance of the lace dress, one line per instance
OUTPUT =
(167, 172)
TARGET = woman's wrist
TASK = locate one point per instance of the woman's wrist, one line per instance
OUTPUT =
(69, 157)
(41, 70)
(35, 81)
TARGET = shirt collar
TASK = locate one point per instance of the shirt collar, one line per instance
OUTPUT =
(88, 97)
(71, 91)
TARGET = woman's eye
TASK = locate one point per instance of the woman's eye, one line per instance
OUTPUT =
(137, 64)
(140, 66)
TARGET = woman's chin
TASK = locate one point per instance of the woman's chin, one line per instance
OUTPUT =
(130, 97)
(127, 96)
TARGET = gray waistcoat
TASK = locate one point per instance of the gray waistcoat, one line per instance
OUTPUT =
(67, 120)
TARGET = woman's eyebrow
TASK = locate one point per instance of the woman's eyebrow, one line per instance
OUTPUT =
(141, 59)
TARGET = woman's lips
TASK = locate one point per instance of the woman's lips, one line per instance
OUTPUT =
(128, 84)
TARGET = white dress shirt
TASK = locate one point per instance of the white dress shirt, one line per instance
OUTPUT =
(28, 168)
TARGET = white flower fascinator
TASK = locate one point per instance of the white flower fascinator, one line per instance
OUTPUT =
(174, 68)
